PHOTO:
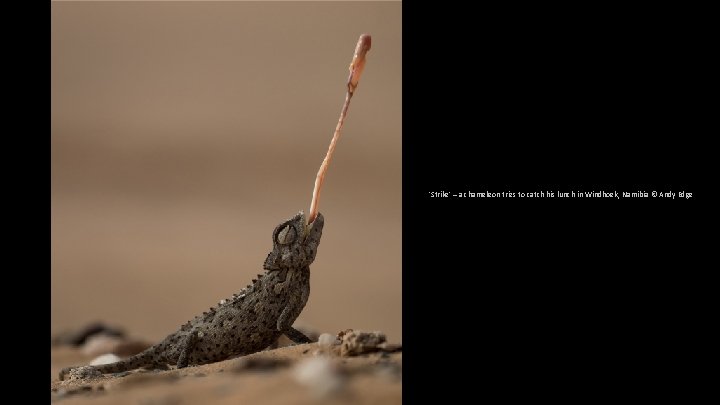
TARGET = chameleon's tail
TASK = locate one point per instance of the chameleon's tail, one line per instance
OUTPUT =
(142, 359)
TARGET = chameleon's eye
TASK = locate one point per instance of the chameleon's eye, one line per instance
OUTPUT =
(286, 235)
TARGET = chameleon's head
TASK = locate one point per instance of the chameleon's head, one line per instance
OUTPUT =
(295, 243)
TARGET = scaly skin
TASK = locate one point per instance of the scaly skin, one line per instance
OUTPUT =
(249, 321)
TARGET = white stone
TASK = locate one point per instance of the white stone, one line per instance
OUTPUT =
(327, 340)
(105, 359)
(320, 375)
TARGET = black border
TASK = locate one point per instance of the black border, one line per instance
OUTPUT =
(26, 208)
(535, 296)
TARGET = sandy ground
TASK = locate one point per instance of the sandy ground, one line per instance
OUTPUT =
(368, 379)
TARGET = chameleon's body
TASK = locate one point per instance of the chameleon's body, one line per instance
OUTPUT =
(247, 322)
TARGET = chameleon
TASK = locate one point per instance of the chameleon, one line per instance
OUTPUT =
(254, 318)
(245, 323)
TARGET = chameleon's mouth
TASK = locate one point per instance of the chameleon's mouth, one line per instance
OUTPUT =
(308, 226)
(301, 218)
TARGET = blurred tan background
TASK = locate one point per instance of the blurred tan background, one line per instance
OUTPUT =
(184, 132)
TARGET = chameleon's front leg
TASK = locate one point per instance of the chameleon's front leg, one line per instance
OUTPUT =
(284, 325)
(186, 348)
(286, 318)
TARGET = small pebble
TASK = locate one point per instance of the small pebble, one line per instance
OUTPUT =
(103, 344)
(359, 342)
(343, 333)
(100, 344)
(105, 359)
(320, 375)
(328, 340)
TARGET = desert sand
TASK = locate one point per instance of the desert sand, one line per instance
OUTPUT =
(373, 378)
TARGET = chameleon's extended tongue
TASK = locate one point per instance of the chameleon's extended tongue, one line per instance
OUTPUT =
(356, 68)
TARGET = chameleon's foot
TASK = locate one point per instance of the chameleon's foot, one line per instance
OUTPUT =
(79, 373)
(297, 336)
